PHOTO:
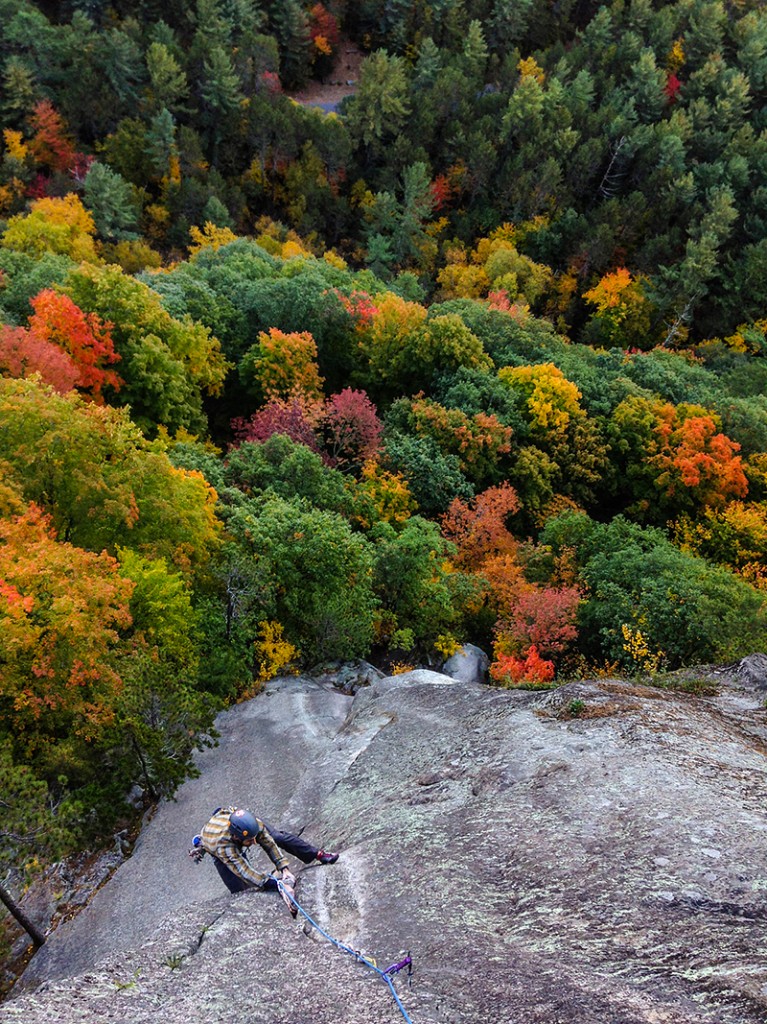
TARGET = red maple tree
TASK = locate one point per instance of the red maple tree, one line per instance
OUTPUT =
(23, 353)
(85, 337)
(352, 429)
(50, 144)
(294, 417)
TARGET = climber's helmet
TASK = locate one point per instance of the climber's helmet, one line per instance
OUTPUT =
(242, 826)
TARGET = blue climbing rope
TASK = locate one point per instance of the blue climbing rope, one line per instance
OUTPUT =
(386, 975)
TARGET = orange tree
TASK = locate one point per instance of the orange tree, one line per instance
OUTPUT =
(527, 615)
(623, 314)
(673, 459)
(282, 365)
(98, 674)
(62, 611)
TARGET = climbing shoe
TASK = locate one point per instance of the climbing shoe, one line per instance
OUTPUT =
(326, 857)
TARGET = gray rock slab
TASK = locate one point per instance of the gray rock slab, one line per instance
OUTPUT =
(607, 868)
(276, 755)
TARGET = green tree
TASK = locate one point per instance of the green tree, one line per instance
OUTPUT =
(475, 51)
(316, 576)
(288, 469)
(29, 829)
(560, 428)
(682, 286)
(24, 276)
(685, 610)
(434, 478)
(407, 349)
(291, 28)
(415, 589)
(402, 225)
(160, 143)
(220, 94)
(125, 150)
(479, 442)
(508, 23)
(111, 201)
(161, 716)
(166, 364)
(19, 92)
(377, 112)
(168, 86)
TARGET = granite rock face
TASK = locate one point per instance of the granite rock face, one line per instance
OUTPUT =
(593, 854)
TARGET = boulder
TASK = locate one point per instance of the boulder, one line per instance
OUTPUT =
(752, 671)
(351, 676)
(469, 665)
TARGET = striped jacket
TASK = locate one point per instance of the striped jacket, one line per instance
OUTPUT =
(217, 840)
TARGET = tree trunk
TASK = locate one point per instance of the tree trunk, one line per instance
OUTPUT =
(15, 910)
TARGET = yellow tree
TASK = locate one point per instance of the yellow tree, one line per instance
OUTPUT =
(405, 349)
(57, 225)
(381, 496)
(495, 265)
(566, 453)
(282, 365)
(623, 313)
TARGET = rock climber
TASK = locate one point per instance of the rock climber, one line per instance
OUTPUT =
(230, 833)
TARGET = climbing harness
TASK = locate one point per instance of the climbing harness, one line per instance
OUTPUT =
(385, 975)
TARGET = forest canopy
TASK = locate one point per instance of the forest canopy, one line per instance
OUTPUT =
(477, 355)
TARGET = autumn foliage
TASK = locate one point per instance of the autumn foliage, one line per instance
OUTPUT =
(360, 306)
(345, 429)
(479, 528)
(538, 615)
(352, 429)
(696, 457)
(323, 31)
(479, 441)
(284, 364)
(23, 353)
(545, 435)
(294, 417)
(83, 336)
(51, 144)
(382, 496)
(510, 670)
(61, 610)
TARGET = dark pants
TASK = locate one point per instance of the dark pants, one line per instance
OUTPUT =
(294, 845)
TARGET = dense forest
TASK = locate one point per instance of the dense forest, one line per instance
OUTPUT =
(478, 356)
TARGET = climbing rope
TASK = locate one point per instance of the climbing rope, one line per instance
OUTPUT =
(386, 975)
